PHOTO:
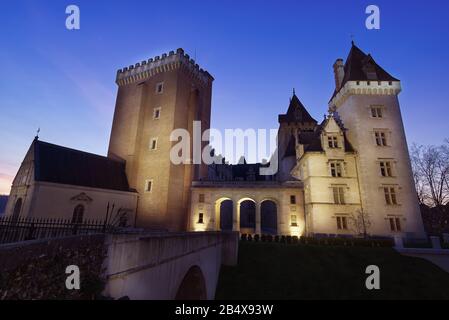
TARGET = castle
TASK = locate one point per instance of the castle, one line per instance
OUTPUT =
(346, 175)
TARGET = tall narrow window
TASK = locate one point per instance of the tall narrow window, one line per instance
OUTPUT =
(342, 223)
(153, 144)
(148, 185)
(160, 88)
(381, 138)
(339, 195)
(332, 141)
(385, 169)
(336, 170)
(78, 214)
(390, 196)
(292, 199)
(201, 218)
(156, 113)
(395, 224)
(201, 198)
(294, 220)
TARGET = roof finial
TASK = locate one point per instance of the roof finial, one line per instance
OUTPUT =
(294, 93)
(352, 39)
(37, 133)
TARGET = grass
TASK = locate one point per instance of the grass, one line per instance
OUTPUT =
(282, 271)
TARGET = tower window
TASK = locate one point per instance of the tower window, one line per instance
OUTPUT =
(332, 141)
(336, 170)
(390, 196)
(294, 220)
(201, 218)
(292, 199)
(376, 112)
(201, 198)
(342, 223)
(339, 195)
(153, 144)
(160, 88)
(156, 113)
(148, 185)
(381, 138)
(385, 169)
(395, 224)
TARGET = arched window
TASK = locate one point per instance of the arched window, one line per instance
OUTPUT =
(78, 213)
(17, 209)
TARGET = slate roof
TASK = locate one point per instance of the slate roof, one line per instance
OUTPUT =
(62, 165)
(360, 66)
(296, 112)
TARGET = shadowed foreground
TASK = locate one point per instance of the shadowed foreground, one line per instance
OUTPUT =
(282, 271)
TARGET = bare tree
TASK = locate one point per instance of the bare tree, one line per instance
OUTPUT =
(360, 222)
(431, 172)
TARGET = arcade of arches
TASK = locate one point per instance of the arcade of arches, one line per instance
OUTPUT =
(264, 210)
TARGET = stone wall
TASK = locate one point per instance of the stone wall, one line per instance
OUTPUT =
(36, 270)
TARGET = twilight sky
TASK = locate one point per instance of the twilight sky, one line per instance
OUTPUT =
(258, 50)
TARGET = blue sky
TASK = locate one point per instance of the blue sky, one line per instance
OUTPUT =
(63, 81)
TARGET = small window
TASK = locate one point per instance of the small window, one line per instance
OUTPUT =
(339, 195)
(376, 112)
(78, 214)
(332, 141)
(160, 88)
(156, 113)
(336, 170)
(200, 218)
(201, 198)
(381, 138)
(385, 169)
(148, 185)
(390, 196)
(395, 224)
(153, 144)
(294, 221)
(342, 223)
(292, 199)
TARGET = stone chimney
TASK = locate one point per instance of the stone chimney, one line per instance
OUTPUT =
(339, 73)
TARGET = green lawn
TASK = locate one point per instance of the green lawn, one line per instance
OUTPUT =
(288, 271)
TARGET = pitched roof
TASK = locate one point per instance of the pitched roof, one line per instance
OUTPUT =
(296, 112)
(62, 165)
(360, 66)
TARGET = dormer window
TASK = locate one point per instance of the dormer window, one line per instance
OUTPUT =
(332, 141)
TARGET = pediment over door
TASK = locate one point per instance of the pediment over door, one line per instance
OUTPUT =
(82, 197)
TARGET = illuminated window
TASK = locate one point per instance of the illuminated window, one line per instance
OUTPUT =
(332, 141)
(381, 138)
(342, 223)
(336, 170)
(294, 221)
(376, 112)
(385, 169)
(395, 224)
(390, 196)
(200, 218)
(339, 195)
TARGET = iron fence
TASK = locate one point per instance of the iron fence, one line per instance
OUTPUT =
(17, 229)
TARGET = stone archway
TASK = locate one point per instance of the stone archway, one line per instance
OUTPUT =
(247, 214)
(224, 213)
(193, 286)
(269, 217)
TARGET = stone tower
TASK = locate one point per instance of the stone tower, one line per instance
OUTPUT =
(154, 98)
(366, 97)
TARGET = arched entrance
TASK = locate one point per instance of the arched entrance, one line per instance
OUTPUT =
(268, 217)
(223, 209)
(193, 286)
(247, 216)
(17, 209)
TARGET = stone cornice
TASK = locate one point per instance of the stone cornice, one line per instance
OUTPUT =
(167, 62)
(365, 88)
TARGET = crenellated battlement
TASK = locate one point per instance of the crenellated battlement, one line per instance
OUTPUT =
(166, 62)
